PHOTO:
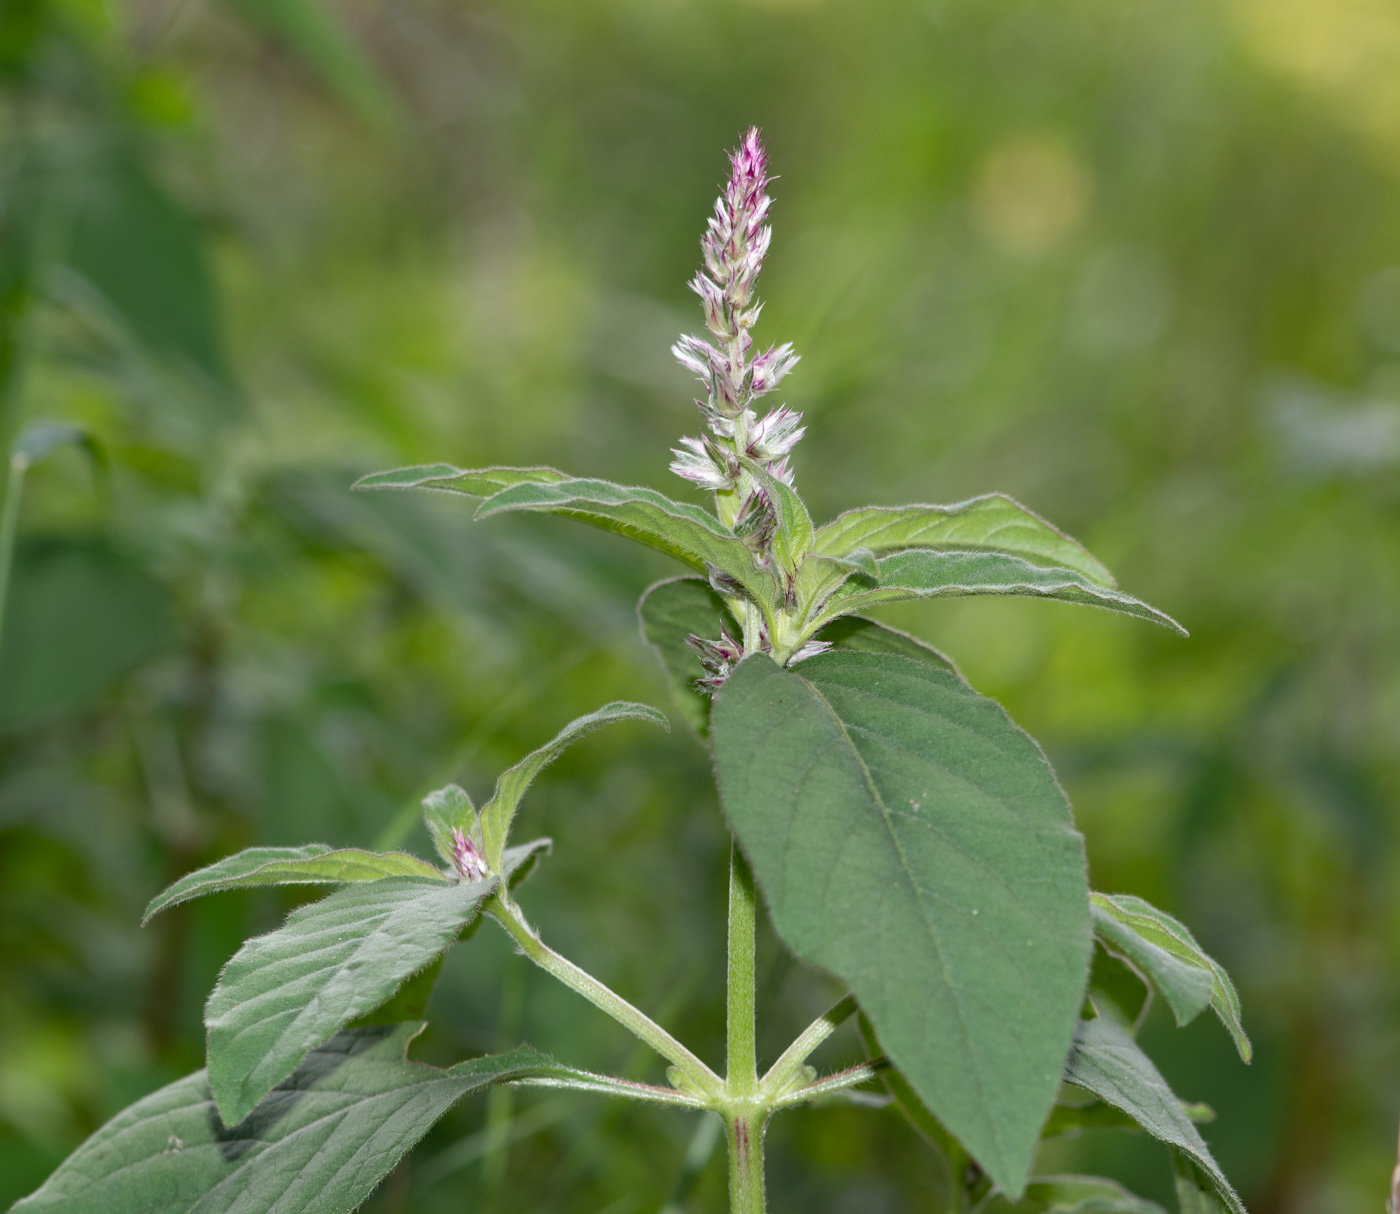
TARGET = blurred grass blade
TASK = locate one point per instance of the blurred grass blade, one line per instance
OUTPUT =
(1072, 1195)
(477, 482)
(315, 36)
(991, 522)
(319, 1144)
(312, 864)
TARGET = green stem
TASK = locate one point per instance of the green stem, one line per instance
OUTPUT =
(746, 1113)
(9, 525)
(745, 1133)
(789, 1068)
(742, 1079)
(690, 1069)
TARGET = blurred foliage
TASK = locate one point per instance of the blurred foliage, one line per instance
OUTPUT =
(1137, 265)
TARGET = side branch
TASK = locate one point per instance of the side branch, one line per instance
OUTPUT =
(704, 1081)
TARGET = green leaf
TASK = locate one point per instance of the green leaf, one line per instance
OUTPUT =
(316, 36)
(1167, 953)
(686, 532)
(1076, 1118)
(1105, 1060)
(1073, 1195)
(318, 1145)
(1118, 989)
(332, 961)
(671, 611)
(993, 521)
(925, 573)
(310, 864)
(866, 636)
(858, 560)
(795, 535)
(1195, 1193)
(479, 482)
(446, 810)
(512, 783)
(913, 841)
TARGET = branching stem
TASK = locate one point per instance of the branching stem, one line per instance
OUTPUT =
(703, 1080)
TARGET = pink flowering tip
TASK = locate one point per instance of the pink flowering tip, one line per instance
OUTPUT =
(749, 162)
(775, 435)
(467, 858)
(700, 461)
(699, 357)
(771, 367)
(809, 649)
(779, 470)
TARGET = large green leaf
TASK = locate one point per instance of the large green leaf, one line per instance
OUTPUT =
(913, 841)
(1167, 954)
(1106, 1060)
(318, 1145)
(866, 636)
(477, 482)
(993, 521)
(310, 864)
(284, 993)
(686, 532)
(511, 784)
(920, 573)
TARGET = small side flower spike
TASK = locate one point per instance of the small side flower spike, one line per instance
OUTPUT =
(467, 858)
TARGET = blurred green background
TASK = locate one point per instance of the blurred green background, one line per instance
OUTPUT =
(1135, 262)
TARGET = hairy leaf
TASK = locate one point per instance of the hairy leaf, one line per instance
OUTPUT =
(318, 1145)
(913, 841)
(686, 532)
(1195, 1193)
(993, 521)
(671, 611)
(1072, 1195)
(1105, 1060)
(310, 864)
(926, 573)
(1168, 955)
(285, 992)
(795, 533)
(866, 636)
(512, 783)
(477, 482)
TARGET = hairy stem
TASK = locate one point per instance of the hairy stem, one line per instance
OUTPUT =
(745, 1114)
(745, 1133)
(742, 1077)
(789, 1068)
(700, 1077)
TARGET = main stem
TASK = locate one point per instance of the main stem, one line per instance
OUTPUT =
(9, 524)
(745, 1115)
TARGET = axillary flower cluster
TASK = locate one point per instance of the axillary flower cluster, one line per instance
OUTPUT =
(734, 245)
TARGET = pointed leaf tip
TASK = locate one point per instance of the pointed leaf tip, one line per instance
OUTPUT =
(511, 786)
